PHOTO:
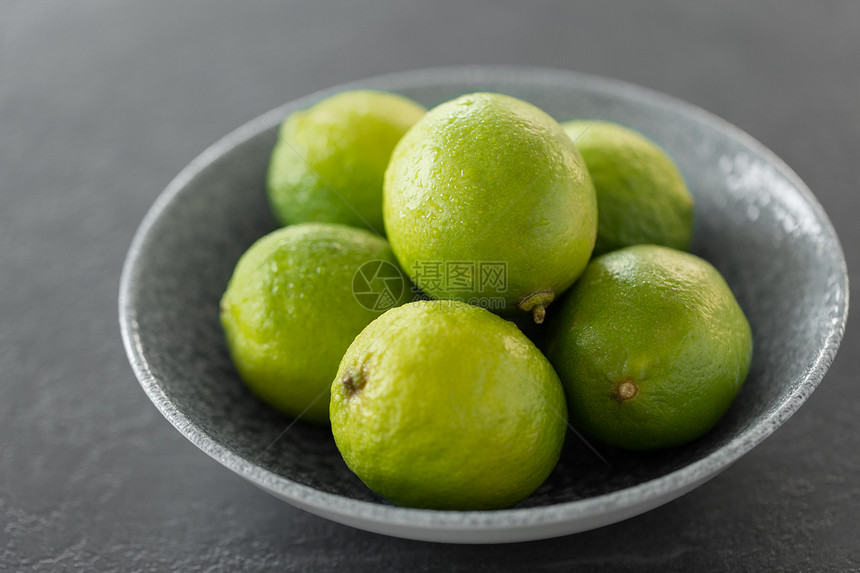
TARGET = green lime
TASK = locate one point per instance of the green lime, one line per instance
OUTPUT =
(651, 346)
(329, 160)
(487, 201)
(440, 404)
(641, 194)
(296, 300)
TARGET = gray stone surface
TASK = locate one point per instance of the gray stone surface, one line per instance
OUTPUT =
(102, 103)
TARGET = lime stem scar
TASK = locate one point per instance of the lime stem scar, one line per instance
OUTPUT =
(625, 390)
(353, 382)
(537, 302)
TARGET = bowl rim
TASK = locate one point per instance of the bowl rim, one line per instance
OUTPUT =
(517, 524)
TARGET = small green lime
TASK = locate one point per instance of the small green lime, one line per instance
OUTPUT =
(328, 163)
(486, 200)
(651, 346)
(296, 300)
(641, 194)
(441, 404)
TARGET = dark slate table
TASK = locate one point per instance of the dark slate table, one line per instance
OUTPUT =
(102, 102)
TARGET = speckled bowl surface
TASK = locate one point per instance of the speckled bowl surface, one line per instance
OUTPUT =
(756, 222)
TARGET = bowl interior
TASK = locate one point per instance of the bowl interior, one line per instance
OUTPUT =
(756, 223)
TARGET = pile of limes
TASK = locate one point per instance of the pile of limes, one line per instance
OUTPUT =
(415, 244)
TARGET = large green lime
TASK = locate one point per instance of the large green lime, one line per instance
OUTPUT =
(641, 194)
(440, 404)
(651, 346)
(328, 163)
(296, 300)
(486, 200)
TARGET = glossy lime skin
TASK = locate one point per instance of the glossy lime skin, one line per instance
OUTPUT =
(488, 177)
(663, 320)
(289, 312)
(642, 197)
(440, 404)
(329, 160)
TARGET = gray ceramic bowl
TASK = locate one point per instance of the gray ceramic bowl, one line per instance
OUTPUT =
(756, 222)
